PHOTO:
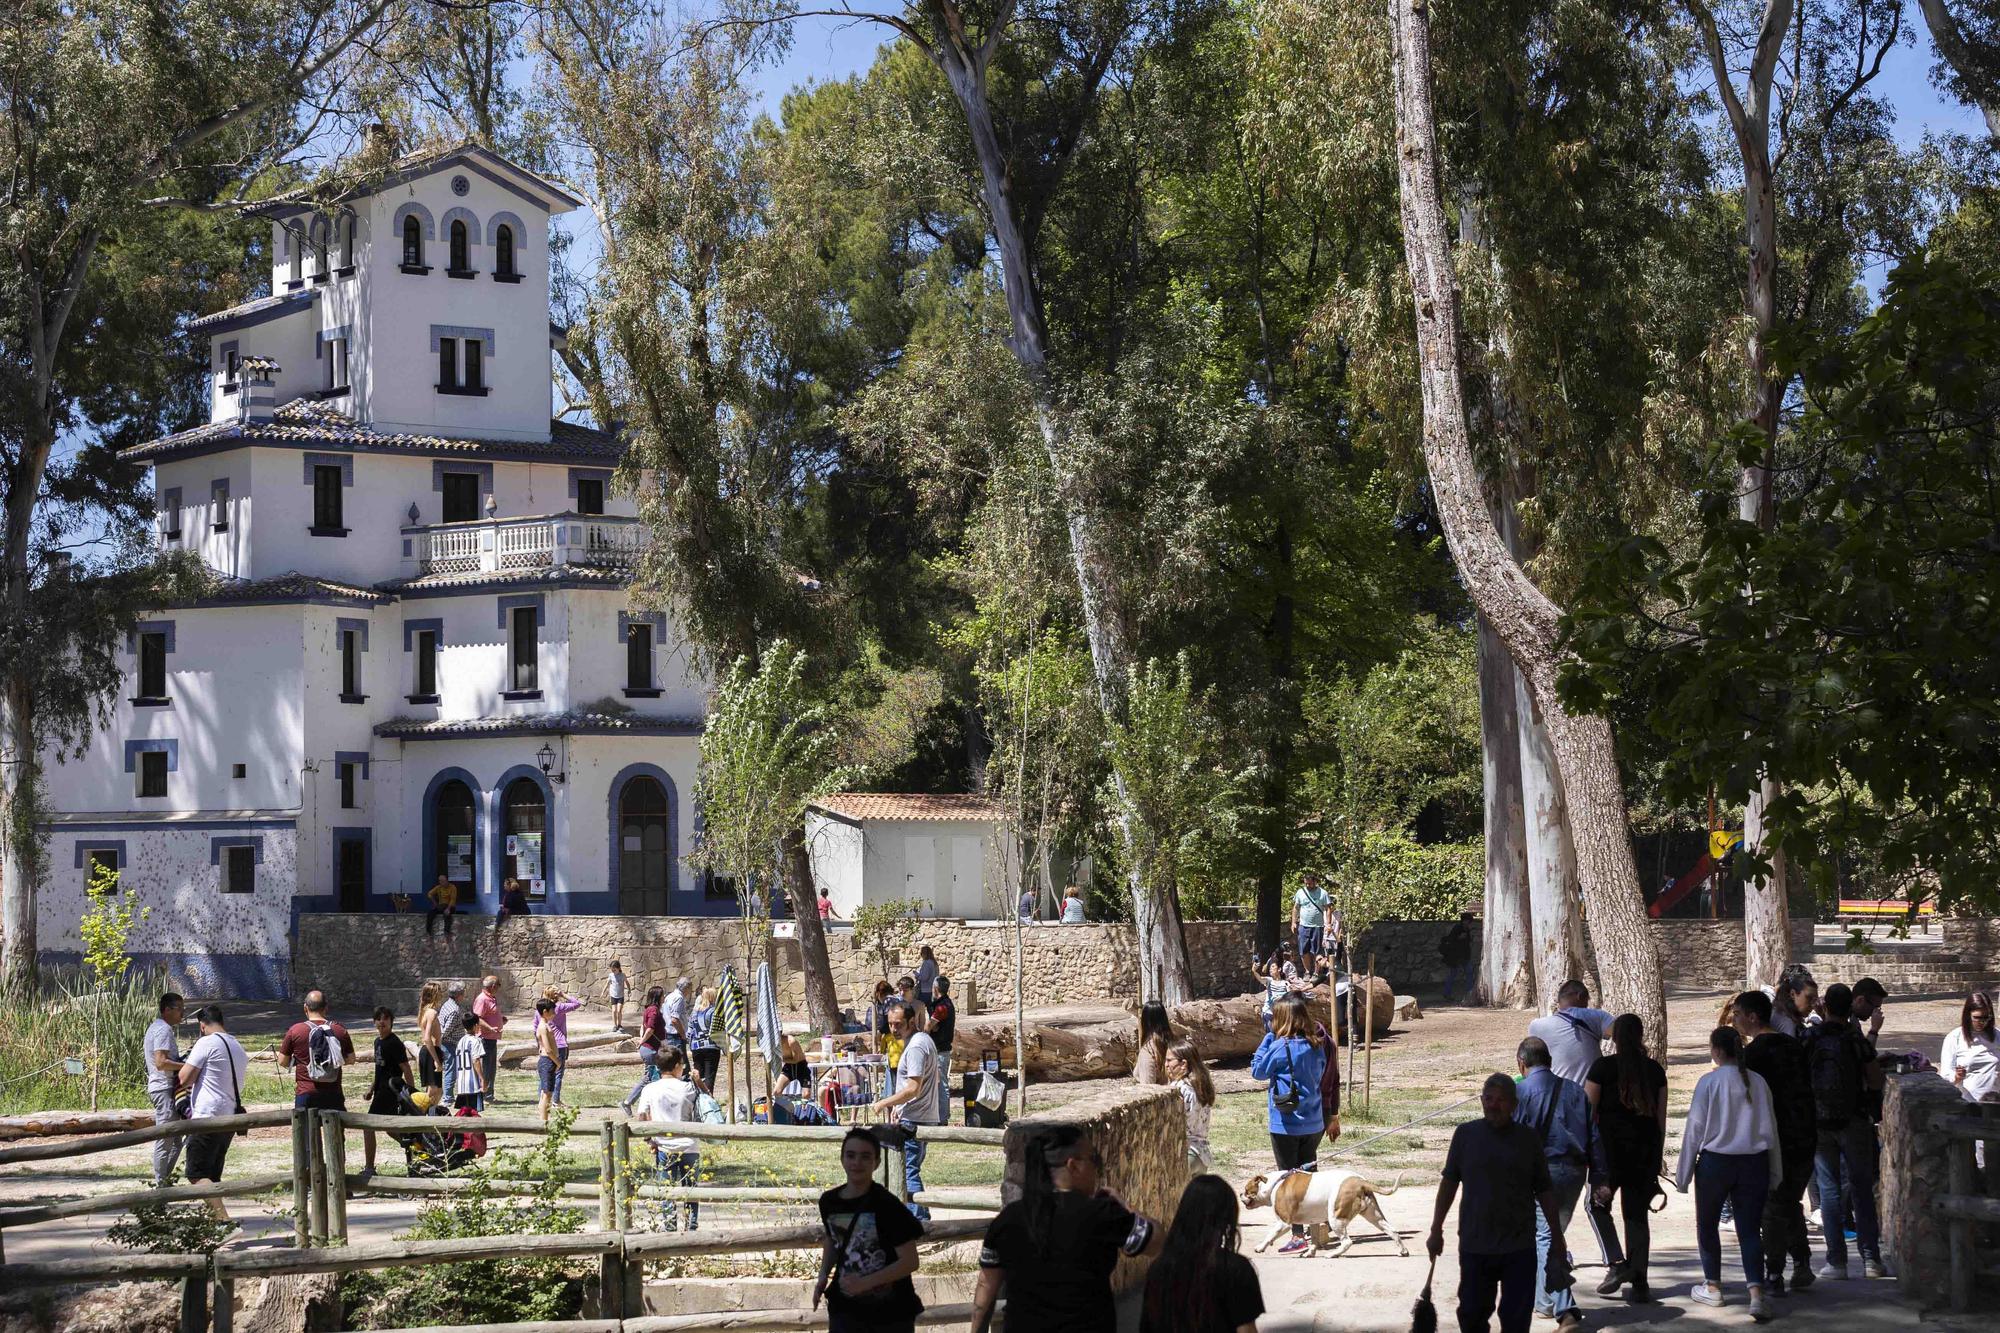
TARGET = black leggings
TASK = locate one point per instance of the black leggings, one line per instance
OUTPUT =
(1293, 1151)
(1632, 1207)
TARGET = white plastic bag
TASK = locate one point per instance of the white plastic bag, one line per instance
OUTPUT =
(992, 1092)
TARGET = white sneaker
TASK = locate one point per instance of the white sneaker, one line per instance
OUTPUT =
(1812, 1220)
(1833, 1272)
(1873, 1268)
(1705, 1293)
(1760, 1306)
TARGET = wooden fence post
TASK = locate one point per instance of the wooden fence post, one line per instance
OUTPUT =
(621, 1152)
(194, 1305)
(333, 1135)
(316, 1168)
(611, 1284)
(607, 1180)
(1368, 1038)
(225, 1305)
(899, 1176)
(302, 1152)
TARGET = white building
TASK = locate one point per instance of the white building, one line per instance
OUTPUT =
(422, 657)
(954, 852)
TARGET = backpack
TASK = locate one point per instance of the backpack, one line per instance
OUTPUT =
(322, 1053)
(1835, 1069)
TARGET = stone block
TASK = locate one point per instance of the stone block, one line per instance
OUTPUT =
(1914, 1171)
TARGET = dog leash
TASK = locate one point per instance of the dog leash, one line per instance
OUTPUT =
(1345, 1149)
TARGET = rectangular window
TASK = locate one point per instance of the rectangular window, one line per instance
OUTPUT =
(218, 505)
(350, 664)
(639, 657)
(335, 354)
(152, 666)
(475, 373)
(427, 662)
(231, 360)
(170, 519)
(239, 869)
(590, 495)
(326, 497)
(103, 861)
(524, 648)
(346, 771)
(461, 497)
(153, 773)
(239, 770)
(447, 363)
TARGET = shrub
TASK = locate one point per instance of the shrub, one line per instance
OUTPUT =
(40, 1034)
(1398, 879)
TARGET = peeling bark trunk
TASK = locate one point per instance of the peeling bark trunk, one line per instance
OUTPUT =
(1525, 619)
(1505, 975)
(1767, 920)
(1555, 924)
(1949, 40)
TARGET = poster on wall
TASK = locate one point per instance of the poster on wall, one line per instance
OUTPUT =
(526, 849)
(458, 857)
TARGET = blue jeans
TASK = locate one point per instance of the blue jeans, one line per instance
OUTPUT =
(1742, 1180)
(651, 1060)
(913, 1171)
(449, 1068)
(1509, 1277)
(1566, 1182)
(678, 1168)
(1849, 1194)
(1311, 939)
(1458, 979)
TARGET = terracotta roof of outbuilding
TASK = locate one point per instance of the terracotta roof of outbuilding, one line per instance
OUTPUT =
(259, 311)
(288, 587)
(575, 721)
(910, 805)
(304, 423)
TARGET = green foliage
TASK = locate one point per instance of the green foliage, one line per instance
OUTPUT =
(56, 1025)
(1396, 879)
(492, 1290)
(174, 1228)
(1848, 651)
(106, 926)
(886, 927)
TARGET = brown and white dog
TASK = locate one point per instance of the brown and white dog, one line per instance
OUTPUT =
(1325, 1202)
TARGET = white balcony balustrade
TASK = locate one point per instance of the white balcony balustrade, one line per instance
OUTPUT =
(509, 545)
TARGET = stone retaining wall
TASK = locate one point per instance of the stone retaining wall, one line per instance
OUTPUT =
(354, 958)
(1914, 1170)
(1141, 1133)
(1694, 955)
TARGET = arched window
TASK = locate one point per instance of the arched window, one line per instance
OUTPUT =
(413, 243)
(642, 848)
(459, 260)
(320, 268)
(347, 240)
(525, 824)
(455, 854)
(503, 252)
(297, 241)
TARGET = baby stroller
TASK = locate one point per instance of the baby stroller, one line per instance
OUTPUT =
(434, 1152)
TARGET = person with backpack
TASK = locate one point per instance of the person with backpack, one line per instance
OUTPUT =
(1559, 1113)
(1293, 1060)
(315, 1050)
(1574, 1032)
(1843, 1070)
(871, 1247)
(1781, 1062)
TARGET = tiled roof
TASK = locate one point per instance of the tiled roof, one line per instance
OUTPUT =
(575, 721)
(610, 577)
(305, 423)
(253, 312)
(910, 805)
(420, 163)
(287, 587)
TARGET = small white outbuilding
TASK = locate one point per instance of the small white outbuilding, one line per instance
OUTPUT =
(955, 852)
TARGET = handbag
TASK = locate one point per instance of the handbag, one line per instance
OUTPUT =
(1288, 1101)
(235, 1088)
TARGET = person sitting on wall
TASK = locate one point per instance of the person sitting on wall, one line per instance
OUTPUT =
(444, 903)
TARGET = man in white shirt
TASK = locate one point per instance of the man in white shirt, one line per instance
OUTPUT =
(674, 1013)
(673, 1098)
(915, 1099)
(163, 1067)
(214, 1072)
(1575, 1032)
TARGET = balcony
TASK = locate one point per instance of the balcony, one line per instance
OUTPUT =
(514, 545)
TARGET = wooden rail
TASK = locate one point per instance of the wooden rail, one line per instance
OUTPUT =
(220, 1124)
(125, 1200)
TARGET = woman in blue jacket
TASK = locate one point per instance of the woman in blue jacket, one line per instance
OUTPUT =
(1291, 1057)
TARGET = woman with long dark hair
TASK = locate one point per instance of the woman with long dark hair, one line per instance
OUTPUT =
(1730, 1154)
(1200, 1283)
(1793, 1000)
(1155, 1035)
(1292, 1057)
(1971, 1054)
(1628, 1096)
(652, 1035)
(1053, 1248)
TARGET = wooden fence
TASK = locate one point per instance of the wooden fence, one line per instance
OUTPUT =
(321, 1186)
(1964, 1206)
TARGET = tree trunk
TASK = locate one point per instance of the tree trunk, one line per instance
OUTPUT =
(20, 859)
(1505, 975)
(1555, 925)
(1767, 920)
(1280, 644)
(822, 1000)
(1525, 619)
(1949, 40)
(1162, 948)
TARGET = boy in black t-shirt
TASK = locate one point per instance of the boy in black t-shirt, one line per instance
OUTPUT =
(393, 1077)
(871, 1248)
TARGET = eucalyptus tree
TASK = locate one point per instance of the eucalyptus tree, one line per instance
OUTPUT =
(114, 112)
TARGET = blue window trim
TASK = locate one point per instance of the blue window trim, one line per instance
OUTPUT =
(473, 231)
(360, 757)
(218, 490)
(485, 336)
(535, 599)
(396, 226)
(411, 628)
(345, 462)
(441, 466)
(170, 500)
(603, 474)
(172, 749)
(497, 835)
(165, 627)
(657, 619)
(482, 819)
(338, 333)
(345, 624)
(507, 219)
(138, 826)
(617, 793)
(254, 841)
(85, 846)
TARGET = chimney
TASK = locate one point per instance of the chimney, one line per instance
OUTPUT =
(260, 390)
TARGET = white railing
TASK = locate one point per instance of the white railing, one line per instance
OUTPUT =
(507, 545)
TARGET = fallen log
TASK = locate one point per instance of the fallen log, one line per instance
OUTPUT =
(50, 1124)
